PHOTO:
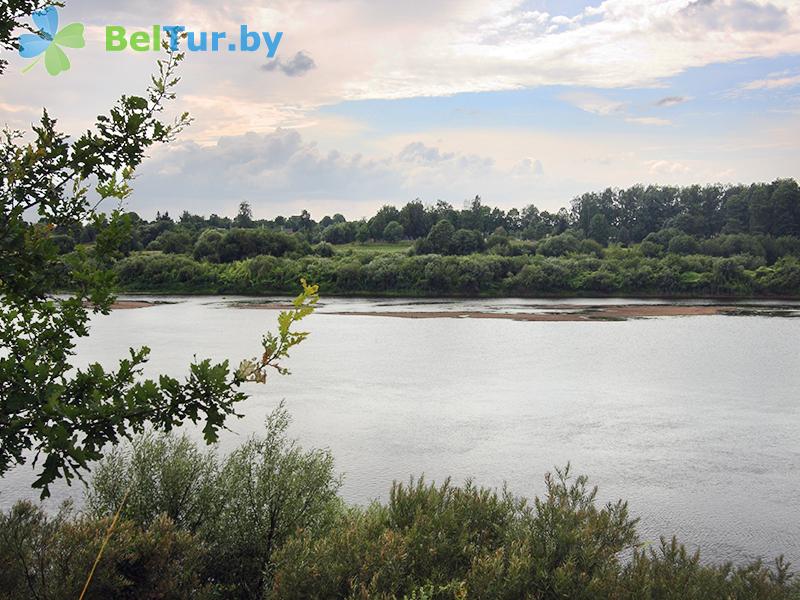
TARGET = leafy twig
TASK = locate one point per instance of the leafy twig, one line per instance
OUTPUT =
(276, 347)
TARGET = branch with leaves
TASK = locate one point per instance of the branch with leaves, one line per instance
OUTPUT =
(276, 347)
(61, 416)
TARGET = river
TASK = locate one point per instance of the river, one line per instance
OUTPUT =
(695, 420)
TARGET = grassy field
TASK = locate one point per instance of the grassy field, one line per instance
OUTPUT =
(372, 247)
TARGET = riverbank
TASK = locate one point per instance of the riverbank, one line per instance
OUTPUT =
(625, 273)
(523, 311)
(594, 313)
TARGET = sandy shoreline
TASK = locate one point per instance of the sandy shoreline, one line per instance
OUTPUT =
(128, 304)
(544, 313)
(582, 313)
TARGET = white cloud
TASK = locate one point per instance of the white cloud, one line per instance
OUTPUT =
(417, 152)
(527, 167)
(624, 43)
(658, 121)
(772, 83)
(667, 167)
(386, 49)
(602, 106)
(17, 108)
(594, 103)
(281, 169)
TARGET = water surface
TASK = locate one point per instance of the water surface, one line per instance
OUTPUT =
(694, 420)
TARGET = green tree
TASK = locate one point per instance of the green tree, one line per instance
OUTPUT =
(60, 415)
(175, 241)
(393, 232)
(362, 233)
(244, 218)
(339, 233)
(785, 201)
(468, 241)
(414, 220)
(736, 213)
(558, 245)
(599, 229)
(760, 209)
(207, 245)
(382, 218)
(440, 238)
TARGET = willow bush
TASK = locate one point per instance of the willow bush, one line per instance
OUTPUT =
(266, 522)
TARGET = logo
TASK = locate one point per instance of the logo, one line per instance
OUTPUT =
(49, 40)
(117, 39)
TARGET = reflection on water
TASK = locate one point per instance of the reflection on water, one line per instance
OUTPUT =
(694, 420)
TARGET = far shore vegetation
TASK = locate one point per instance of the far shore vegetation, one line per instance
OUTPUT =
(696, 241)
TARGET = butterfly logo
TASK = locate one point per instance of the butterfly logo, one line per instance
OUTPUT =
(49, 40)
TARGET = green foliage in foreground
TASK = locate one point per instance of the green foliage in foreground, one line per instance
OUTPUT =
(60, 416)
(619, 271)
(266, 522)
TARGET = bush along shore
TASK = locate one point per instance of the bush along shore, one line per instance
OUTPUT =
(619, 272)
(266, 522)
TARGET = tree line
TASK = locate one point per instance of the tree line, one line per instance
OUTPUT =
(712, 240)
(612, 216)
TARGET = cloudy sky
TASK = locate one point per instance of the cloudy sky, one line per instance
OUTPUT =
(375, 101)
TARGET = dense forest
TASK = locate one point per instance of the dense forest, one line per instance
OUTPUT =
(697, 240)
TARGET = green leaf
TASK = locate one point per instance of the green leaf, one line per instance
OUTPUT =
(137, 102)
(71, 36)
(55, 60)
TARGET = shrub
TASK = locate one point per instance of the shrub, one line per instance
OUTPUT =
(468, 241)
(166, 475)
(558, 245)
(426, 535)
(590, 246)
(276, 529)
(51, 557)
(684, 244)
(509, 268)
(269, 488)
(207, 245)
(324, 249)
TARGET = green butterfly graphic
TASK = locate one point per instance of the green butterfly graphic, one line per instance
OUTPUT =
(49, 40)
